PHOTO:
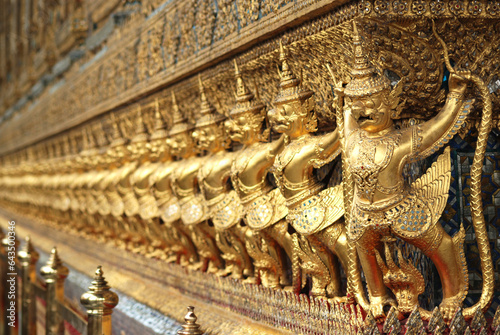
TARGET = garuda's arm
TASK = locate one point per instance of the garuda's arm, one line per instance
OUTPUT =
(276, 147)
(326, 148)
(428, 137)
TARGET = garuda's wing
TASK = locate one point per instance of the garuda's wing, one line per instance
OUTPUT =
(433, 187)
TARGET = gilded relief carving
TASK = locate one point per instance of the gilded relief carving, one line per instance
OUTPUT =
(205, 23)
(248, 11)
(155, 41)
(382, 205)
(171, 38)
(267, 240)
(227, 22)
(312, 209)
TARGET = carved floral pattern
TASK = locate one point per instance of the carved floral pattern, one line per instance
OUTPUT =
(381, 6)
(437, 7)
(419, 7)
(456, 7)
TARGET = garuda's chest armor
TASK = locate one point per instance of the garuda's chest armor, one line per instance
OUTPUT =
(295, 153)
(241, 164)
(211, 178)
(407, 212)
(310, 208)
(192, 205)
(263, 206)
(365, 171)
(184, 177)
(109, 183)
(130, 203)
(224, 204)
(147, 202)
(160, 181)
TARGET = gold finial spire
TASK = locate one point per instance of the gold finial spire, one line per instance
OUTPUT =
(66, 148)
(362, 68)
(99, 300)
(117, 137)
(54, 260)
(245, 101)
(85, 139)
(206, 107)
(366, 79)
(54, 270)
(175, 107)
(190, 327)
(28, 253)
(208, 115)
(287, 77)
(116, 130)
(99, 283)
(89, 144)
(91, 139)
(160, 130)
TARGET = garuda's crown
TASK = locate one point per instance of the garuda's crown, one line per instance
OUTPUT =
(141, 132)
(180, 123)
(245, 101)
(117, 138)
(160, 130)
(290, 87)
(366, 79)
(208, 114)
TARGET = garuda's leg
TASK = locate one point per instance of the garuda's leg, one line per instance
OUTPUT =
(266, 253)
(448, 256)
(334, 238)
(366, 245)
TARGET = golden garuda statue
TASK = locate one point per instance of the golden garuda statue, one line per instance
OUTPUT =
(152, 152)
(267, 240)
(313, 211)
(119, 168)
(169, 144)
(223, 203)
(383, 206)
(138, 150)
(173, 186)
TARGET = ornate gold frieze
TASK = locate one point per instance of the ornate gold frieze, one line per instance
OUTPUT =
(419, 65)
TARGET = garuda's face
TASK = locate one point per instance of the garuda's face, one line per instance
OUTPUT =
(208, 138)
(180, 143)
(118, 152)
(157, 148)
(139, 149)
(244, 128)
(371, 112)
(288, 117)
